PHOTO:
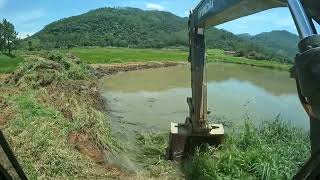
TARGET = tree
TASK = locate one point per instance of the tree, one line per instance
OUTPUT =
(2, 41)
(9, 35)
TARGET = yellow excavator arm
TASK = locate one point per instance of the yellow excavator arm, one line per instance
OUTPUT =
(196, 129)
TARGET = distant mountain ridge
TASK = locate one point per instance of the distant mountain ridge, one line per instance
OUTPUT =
(280, 42)
(132, 27)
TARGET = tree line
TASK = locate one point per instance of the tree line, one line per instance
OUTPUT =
(8, 37)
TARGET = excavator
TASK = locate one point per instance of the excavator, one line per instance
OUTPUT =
(196, 130)
(306, 71)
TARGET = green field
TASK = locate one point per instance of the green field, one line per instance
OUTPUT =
(124, 55)
(8, 64)
(215, 55)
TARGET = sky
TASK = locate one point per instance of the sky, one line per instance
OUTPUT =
(30, 16)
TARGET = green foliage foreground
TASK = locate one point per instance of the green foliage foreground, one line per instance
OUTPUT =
(274, 150)
(8, 64)
(54, 119)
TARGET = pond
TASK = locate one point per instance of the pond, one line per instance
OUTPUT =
(151, 99)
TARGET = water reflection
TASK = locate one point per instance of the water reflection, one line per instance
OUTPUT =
(156, 97)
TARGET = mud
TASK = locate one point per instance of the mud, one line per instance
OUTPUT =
(109, 69)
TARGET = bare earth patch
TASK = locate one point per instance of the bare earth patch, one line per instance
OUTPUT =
(108, 69)
(3, 77)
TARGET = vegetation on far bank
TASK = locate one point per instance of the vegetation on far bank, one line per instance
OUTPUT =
(125, 55)
(215, 55)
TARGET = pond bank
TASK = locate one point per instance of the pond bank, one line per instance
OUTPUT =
(54, 117)
(109, 69)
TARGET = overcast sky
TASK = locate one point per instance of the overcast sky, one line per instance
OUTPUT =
(30, 16)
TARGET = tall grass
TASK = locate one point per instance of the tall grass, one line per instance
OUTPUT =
(275, 150)
(8, 64)
(53, 99)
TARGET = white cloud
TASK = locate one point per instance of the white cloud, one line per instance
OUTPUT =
(152, 6)
(23, 35)
(3, 3)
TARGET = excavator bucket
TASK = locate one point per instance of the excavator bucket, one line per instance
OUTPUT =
(181, 143)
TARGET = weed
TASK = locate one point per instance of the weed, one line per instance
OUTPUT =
(275, 150)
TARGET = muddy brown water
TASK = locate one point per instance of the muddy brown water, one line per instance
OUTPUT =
(151, 99)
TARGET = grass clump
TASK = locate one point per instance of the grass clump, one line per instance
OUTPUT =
(41, 72)
(39, 135)
(153, 155)
(59, 129)
(8, 64)
(275, 150)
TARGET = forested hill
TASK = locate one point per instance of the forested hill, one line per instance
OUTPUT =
(117, 27)
(280, 42)
(131, 27)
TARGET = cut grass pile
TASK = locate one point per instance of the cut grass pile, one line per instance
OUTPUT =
(54, 118)
(274, 150)
(153, 155)
(125, 55)
(8, 64)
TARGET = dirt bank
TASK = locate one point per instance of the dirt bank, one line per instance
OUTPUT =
(54, 118)
(108, 69)
(3, 77)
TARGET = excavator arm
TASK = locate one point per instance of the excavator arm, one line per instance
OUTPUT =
(196, 129)
(213, 12)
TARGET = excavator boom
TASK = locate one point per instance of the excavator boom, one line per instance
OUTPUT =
(214, 12)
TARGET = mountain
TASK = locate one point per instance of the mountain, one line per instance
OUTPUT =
(282, 43)
(132, 27)
(117, 27)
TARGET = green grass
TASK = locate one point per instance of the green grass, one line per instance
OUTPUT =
(273, 150)
(125, 55)
(215, 55)
(39, 130)
(8, 64)
(152, 154)
(40, 139)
